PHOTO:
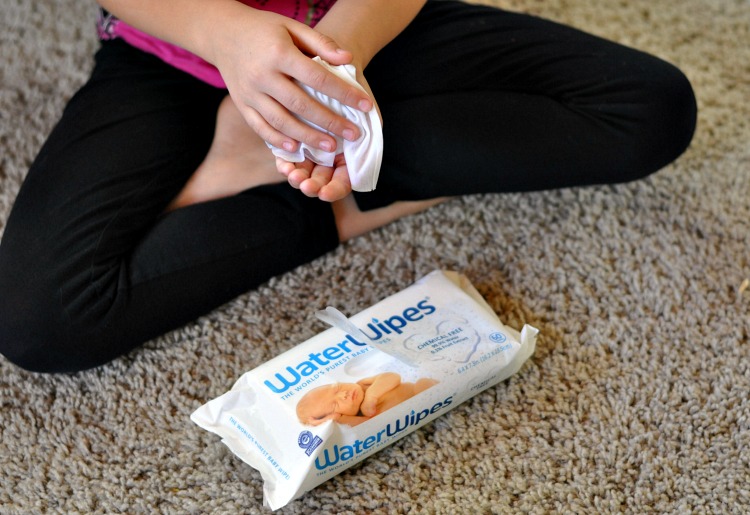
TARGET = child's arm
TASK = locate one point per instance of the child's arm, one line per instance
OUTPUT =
(376, 387)
(364, 27)
(258, 54)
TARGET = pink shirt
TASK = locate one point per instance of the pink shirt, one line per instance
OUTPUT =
(306, 11)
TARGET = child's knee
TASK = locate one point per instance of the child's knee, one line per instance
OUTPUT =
(38, 344)
(659, 126)
(679, 110)
(671, 115)
(31, 333)
(24, 342)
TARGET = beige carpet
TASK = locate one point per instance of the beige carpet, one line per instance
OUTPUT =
(635, 402)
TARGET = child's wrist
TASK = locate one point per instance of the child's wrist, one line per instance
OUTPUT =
(216, 21)
(360, 55)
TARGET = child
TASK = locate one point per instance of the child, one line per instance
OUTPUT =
(354, 403)
(156, 200)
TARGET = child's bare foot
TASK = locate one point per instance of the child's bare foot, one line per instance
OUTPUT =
(237, 160)
(351, 222)
(328, 183)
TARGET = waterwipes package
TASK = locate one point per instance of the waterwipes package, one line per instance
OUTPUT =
(328, 403)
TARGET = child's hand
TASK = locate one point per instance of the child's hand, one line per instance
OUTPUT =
(259, 54)
(328, 183)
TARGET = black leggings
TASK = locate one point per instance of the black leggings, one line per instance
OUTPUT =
(474, 100)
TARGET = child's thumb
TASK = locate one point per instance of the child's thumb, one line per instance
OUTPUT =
(315, 43)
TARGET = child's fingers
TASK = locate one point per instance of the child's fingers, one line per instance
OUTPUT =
(272, 117)
(297, 101)
(318, 78)
(276, 125)
(313, 42)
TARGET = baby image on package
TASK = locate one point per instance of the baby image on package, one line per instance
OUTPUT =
(353, 403)
(331, 401)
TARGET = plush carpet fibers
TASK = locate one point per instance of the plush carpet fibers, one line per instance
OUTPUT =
(636, 400)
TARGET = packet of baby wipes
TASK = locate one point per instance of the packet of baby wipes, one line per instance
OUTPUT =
(330, 402)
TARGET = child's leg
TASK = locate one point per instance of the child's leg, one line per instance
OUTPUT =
(351, 221)
(237, 160)
(476, 100)
(92, 266)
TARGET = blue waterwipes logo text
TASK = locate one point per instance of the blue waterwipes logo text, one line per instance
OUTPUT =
(375, 330)
(343, 453)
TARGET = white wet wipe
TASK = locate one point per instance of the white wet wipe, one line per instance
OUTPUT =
(363, 156)
(414, 356)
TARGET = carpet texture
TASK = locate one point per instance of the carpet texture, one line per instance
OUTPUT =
(636, 400)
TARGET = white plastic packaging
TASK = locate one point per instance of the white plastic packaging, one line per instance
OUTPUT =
(419, 353)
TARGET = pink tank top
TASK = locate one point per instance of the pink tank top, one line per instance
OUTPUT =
(309, 12)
